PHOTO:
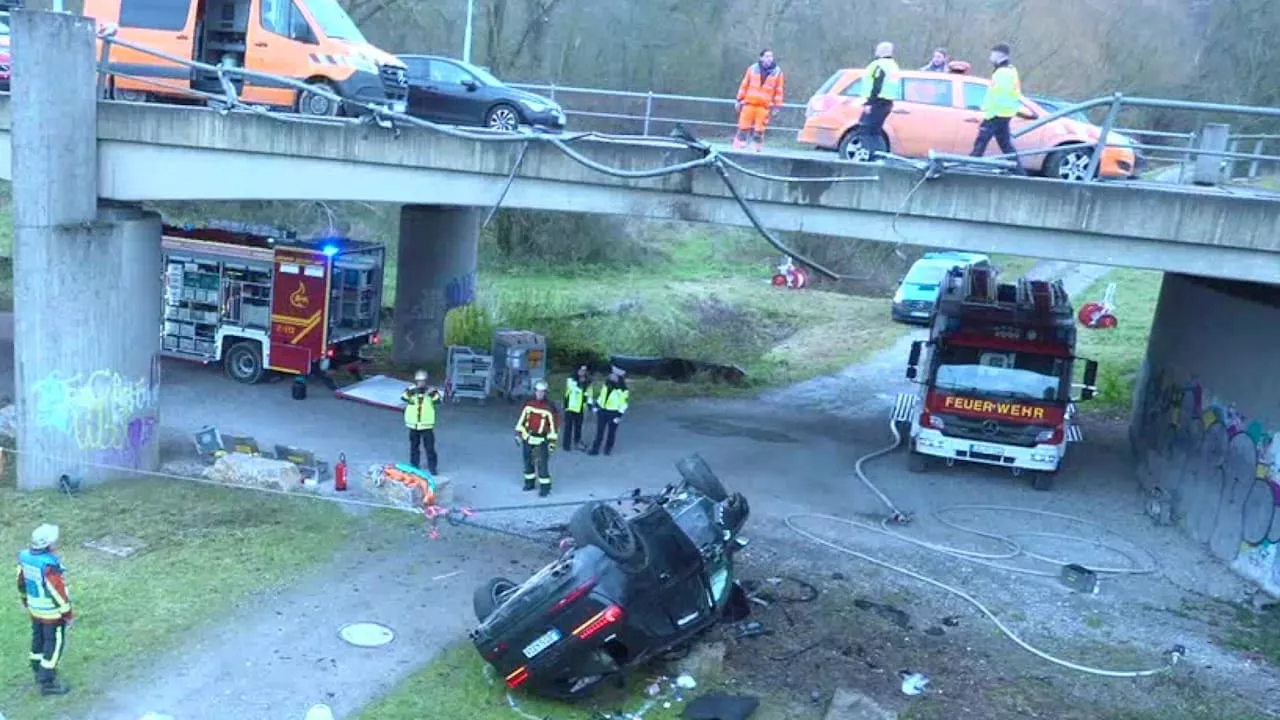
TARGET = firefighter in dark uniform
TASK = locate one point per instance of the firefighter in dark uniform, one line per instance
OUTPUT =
(610, 405)
(577, 398)
(537, 435)
(420, 418)
(44, 595)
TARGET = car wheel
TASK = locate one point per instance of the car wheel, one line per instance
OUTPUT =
(136, 96)
(1042, 481)
(734, 513)
(1071, 164)
(243, 362)
(489, 596)
(316, 105)
(852, 149)
(698, 474)
(502, 117)
(603, 526)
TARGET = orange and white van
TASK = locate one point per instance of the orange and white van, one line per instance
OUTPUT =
(311, 41)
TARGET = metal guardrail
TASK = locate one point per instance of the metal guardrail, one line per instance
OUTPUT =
(652, 113)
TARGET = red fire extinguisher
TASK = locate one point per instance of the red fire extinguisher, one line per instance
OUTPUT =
(340, 473)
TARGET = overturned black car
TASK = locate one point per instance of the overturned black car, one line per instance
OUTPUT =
(631, 589)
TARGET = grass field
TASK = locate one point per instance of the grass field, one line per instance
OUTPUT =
(200, 543)
(1120, 351)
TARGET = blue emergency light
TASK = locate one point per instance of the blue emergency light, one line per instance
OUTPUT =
(330, 250)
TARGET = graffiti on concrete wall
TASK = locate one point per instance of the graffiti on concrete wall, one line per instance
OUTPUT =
(103, 412)
(1217, 469)
(460, 291)
(424, 323)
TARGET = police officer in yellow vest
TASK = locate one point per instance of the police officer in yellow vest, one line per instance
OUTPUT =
(1002, 103)
(611, 405)
(880, 85)
(44, 595)
(420, 418)
(577, 398)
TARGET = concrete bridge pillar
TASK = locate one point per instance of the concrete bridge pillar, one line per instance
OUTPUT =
(87, 278)
(436, 272)
(1206, 413)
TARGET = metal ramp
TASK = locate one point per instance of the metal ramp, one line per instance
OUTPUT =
(379, 391)
(904, 406)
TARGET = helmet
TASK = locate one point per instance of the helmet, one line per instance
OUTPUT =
(319, 712)
(44, 537)
(420, 376)
(540, 385)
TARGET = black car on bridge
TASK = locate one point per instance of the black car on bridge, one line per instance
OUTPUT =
(628, 590)
(452, 92)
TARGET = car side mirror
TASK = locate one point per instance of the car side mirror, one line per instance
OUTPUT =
(470, 85)
(913, 360)
(1090, 380)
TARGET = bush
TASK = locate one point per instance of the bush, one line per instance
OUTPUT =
(563, 242)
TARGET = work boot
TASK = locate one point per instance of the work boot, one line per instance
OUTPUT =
(51, 686)
(544, 489)
(528, 484)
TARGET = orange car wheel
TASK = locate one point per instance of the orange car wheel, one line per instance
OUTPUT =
(1070, 164)
(851, 148)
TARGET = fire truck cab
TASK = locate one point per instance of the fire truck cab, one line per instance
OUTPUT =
(996, 377)
(261, 300)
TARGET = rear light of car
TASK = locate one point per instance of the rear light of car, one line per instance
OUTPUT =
(375, 339)
(517, 677)
(332, 351)
(574, 595)
(598, 622)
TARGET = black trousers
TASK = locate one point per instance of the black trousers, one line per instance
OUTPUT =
(871, 126)
(572, 429)
(997, 128)
(420, 440)
(606, 430)
(537, 461)
(48, 641)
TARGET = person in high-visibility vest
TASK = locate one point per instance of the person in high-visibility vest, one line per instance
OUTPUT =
(536, 432)
(44, 594)
(759, 96)
(577, 398)
(1001, 104)
(420, 419)
(880, 87)
(611, 405)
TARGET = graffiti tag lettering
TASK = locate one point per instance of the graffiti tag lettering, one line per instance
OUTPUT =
(96, 410)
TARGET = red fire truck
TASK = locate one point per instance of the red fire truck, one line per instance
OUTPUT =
(261, 300)
(997, 377)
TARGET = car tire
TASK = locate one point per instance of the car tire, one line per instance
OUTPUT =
(1042, 481)
(486, 597)
(601, 525)
(734, 512)
(243, 362)
(503, 117)
(316, 105)
(1068, 164)
(698, 474)
(850, 147)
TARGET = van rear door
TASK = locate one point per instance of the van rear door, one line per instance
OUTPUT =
(164, 25)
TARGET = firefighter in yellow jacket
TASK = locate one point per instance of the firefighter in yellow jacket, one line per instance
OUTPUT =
(611, 405)
(420, 419)
(536, 432)
(44, 594)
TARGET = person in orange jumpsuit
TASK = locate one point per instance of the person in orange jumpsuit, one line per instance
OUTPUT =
(759, 97)
(536, 432)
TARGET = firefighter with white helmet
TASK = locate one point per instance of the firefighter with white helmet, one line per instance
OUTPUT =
(44, 595)
(537, 433)
(420, 419)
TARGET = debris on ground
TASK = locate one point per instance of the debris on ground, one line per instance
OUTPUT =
(718, 706)
(705, 660)
(849, 704)
(121, 546)
(255, 471)
(913, 683)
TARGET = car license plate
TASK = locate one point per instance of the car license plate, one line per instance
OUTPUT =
(551, 637)
(920, 314)
(987, 450)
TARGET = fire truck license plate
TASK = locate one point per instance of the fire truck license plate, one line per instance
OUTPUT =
(551, 637)
(987, 450)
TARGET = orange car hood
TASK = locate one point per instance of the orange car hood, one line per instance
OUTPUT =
(1092, 132)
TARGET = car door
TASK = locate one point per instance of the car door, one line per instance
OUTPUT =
(457, 93)
(159, 24)
(419, 75)
(925, 118)
(973, 92)
(279, 37)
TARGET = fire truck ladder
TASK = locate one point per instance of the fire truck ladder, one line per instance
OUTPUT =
(980, 287)
(1043, 297)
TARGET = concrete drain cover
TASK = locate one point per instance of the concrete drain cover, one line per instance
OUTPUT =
(367, 634)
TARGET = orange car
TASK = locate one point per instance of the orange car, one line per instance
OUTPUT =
(940, 111)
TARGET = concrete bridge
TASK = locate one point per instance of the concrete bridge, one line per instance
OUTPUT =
(1205, 411)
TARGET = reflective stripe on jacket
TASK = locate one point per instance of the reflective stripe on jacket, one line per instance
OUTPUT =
(537, 422)
(575, 396)
(762, 89)
(41, 585)
(613, 399)
(420, 408)
(880, 80)
(1004, 97)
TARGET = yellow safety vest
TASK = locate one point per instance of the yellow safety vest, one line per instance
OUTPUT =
(1004, 97)
(613, 399)
(575, 396)
(419, 408)
(890, 88)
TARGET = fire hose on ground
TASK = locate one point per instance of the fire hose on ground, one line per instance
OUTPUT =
(1014, 550)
